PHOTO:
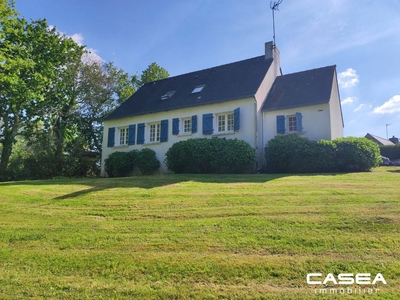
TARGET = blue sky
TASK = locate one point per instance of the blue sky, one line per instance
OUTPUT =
(360, 37)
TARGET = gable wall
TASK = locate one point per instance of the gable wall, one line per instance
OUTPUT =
(260, 97)
(315, 121)
(246, 132)
(336, 117)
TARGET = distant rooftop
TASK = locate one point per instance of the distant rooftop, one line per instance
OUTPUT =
(379, 140)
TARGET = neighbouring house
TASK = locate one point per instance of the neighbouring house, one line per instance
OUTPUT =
(394, 140)
(379, 140)
(249, 100)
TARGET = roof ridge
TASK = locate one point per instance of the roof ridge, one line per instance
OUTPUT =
(206, 69)
(309, 70)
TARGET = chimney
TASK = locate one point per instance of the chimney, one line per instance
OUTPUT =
(269, 48)
(271, 51)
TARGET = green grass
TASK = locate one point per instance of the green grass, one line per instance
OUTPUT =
(198, 236)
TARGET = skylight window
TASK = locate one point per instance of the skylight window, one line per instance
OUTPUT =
(167, 95)
(198, 89)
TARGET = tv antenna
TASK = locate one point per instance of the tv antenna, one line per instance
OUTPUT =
(274, 5)
(387, 136)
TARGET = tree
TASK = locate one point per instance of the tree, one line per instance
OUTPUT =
(152, 73)
(59, 116)
(102, 88)
(32, 59)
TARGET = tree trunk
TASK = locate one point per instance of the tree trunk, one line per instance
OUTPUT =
(8, 142)
(5, 158)
(59, 132)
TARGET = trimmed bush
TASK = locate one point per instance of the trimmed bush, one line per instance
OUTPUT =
(288, 154)
(121, 164)
(295, 154)
(147, 161)
(356, 154)
(216, 155)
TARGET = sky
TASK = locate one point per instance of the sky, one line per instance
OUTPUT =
(360, 37)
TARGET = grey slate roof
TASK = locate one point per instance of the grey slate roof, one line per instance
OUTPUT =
(300, 89)
(232, 81)
(379, 140)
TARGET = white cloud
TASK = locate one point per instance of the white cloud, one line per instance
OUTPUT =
(91, 54)
(348, 78)
(348, 100)
(77, 37)
(389, 107)
(359, 107)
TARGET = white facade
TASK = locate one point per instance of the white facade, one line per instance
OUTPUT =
(257, 127)
(260, 97)
(336, 116)
(315, 121)
(246, 132)
(321, 121)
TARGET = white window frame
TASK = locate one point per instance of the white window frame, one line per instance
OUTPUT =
(225, 122)
(123, 136)
(291, 123)
(198, 89)
(186, 125)
(154, 132)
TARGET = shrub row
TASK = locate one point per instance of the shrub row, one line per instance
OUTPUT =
(42, 165)
(295, 154)
(216, 155)
(121, 164)
(392, 152)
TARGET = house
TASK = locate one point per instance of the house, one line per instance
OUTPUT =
(380, 141)
(249, 100)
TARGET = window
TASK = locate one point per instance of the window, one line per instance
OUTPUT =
(167, 95)
(292, 123)
(123, 136)
(154, 133)
(225, 122)
(198, 89)
(187, 125)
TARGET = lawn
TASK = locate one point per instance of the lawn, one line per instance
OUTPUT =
(200, 236)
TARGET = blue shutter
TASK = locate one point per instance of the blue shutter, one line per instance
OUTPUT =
(236, 119)
(280, 124)
(164, 131)
(194, 124)
(132, 134)
(140, 134)
(208, 123)
(175, 126)
(299, 122)
(111, 137)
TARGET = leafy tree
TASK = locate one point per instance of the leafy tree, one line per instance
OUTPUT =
(59, 116)
(33, 57)
(53, 99)
(102, 88)
(152, 73)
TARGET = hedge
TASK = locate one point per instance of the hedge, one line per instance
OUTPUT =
(295, 154)
(216, 155)
(121, 164)
(392, 152)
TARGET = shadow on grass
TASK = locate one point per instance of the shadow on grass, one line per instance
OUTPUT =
(149, 182)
